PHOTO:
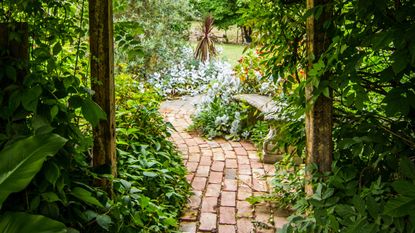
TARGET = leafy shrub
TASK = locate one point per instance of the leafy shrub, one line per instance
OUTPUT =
(149, 34)
(251, 71)
(151, 186)
(342, 203)
(218, 114)
(220, 119)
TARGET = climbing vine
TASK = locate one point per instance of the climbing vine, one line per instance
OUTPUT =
(371, 58)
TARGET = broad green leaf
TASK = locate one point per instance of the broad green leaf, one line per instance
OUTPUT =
(137, 219)
(404, 187)
(89, 215)
(372, 207)
(54, 111)
(104, 221)
(150, 174)
(400, 62)
(22, 160)
(52, 172)
(30, 98)
(16, 222)
(86, 196)
(400, 206)
(57, 48)
(407, 168)
(50, 197)
(11, 72)
(93, 112)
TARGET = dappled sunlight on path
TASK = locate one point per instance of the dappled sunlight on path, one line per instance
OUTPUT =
(223, 174)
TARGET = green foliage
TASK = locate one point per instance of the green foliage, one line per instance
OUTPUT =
(151, 189)
(251, 71)
(44, 98)
(221, 119)
(343, 204)
(225, 12)
(149, 34)
(258, 133)
(47, 109)
(371, 68)
(20, 161)
(280, 32)
(16, 222)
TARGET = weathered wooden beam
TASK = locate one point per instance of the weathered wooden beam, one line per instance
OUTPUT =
(102, 82)
(319, 119)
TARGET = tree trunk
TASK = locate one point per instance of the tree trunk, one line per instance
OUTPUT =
(102, 82)
(247, 32)
(319, 120)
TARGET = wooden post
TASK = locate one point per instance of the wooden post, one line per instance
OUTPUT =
(319, 119)
(102, 82)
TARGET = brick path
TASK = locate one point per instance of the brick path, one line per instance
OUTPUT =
(223, 174)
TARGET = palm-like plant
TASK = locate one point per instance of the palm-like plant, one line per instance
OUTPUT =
(205, 49)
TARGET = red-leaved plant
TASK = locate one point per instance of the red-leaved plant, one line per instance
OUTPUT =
(205, 49)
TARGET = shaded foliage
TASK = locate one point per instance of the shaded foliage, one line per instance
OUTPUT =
(371, 60)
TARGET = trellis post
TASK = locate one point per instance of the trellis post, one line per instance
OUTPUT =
(102, 82)
(319, 118)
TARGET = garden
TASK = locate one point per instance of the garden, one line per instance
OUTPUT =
(84, 147)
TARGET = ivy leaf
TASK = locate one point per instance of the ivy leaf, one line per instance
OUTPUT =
(54, 111)
(93, 112)
(50, 197)
(89, 215)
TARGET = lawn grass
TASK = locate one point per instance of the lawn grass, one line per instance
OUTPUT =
(231, 52)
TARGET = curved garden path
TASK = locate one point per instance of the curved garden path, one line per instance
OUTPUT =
(223, 174)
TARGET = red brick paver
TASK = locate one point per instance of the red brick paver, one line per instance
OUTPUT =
(222, 174)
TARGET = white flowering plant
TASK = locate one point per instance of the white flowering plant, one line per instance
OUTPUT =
(189, 76)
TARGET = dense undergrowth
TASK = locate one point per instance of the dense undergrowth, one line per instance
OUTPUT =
(370, 60)
(46, 181)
